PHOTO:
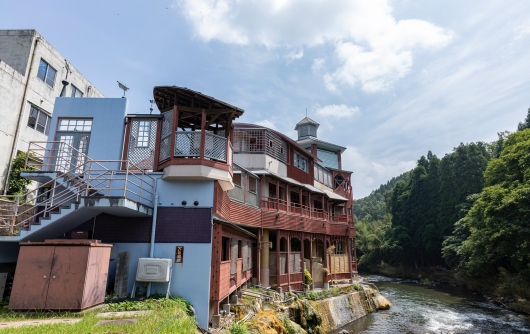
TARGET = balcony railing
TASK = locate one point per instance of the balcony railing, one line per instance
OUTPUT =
(188, 145)
(274, 204)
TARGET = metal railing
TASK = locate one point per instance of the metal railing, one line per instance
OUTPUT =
(84, 178)
(274, 204)
(188, 145)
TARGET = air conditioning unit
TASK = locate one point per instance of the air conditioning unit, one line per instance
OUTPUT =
(154, 270)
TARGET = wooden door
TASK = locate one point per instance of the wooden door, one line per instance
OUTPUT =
(67, 279)
(32, 278)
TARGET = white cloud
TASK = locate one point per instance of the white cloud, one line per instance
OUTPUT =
(266, 123)
(318, 64)
(340, 111)
(369, 175)
(372, 49)
(294, 55)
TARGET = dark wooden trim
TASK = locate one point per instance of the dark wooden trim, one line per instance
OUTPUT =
(157, 144)
(195, 161)
(124, 154)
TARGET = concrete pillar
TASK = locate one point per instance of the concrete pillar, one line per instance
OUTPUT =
(216, 321)
(233, 299)
(226, 308)
(265, 258)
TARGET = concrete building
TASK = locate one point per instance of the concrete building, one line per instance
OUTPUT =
(31, 75)
(228, 203)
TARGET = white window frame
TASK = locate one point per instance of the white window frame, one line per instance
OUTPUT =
(45, 75)
(300, 162)
(39, 113)
(143, 135)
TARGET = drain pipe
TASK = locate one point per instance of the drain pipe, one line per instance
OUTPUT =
(153, 231)
(153, 227)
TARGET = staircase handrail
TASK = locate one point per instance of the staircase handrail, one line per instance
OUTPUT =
(91, 176)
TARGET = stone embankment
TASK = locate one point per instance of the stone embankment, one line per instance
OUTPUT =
(318, 311)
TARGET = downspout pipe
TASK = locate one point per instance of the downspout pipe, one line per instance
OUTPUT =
(153, 226)
(153, 231)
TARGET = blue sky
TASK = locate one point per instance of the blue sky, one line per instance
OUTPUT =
(389, 80)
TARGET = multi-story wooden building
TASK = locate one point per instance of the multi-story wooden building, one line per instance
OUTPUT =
(228, 202)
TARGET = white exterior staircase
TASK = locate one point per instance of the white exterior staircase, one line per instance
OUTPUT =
(73, 189)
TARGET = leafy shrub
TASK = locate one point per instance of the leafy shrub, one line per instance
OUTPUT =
(307, 277)
(239, 328)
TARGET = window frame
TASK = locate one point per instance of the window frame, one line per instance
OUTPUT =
(143, 129)
(44, 76)
(35, 126)
(75, 90)
(235, 181)
(298, 159)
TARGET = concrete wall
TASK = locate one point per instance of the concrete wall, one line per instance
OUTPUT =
(20, 55)
(261, 161)
(108, 124)
(190, 279)
(15, 48)
(11, 92)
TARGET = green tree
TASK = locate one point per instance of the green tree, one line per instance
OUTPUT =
(17, 184)
(498, 222)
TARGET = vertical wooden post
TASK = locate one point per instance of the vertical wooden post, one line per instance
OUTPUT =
(278, 272)
(173, 136)
(288, 260)
(125, 153)
(288, 197)
(339, 159)
(311, 254)
(277, 195)
(203, 133)
(157, 144)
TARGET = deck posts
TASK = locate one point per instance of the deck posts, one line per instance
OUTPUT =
(265, 258)
(203, 133)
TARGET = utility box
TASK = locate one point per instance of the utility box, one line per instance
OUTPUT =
(60, 275)
(153, 270)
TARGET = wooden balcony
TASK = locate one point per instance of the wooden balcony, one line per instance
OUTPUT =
(275, 204)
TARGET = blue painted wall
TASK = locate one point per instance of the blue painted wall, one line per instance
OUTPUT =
(190, 279)
(176, 191)
(108, 127)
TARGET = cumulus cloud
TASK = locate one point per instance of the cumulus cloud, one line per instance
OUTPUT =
(372, 49)
(340, 111)
(266, 123)
(368, 174)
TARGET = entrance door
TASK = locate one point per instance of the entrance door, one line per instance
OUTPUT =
(75, 134)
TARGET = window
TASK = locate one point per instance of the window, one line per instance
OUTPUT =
(225, 249)
(237, 180)
(76, 92)
(81, 125)
(300, 161)
(252, 185)
(46, 73)
(144, 129)
(39, 120)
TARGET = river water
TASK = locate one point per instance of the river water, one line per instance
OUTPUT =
(418, 309)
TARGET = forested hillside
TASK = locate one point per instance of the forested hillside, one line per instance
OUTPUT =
(469, 211)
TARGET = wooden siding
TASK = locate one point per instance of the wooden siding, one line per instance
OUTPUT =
(224, 281)
(339, 263)
(221, 202)
(244, 214)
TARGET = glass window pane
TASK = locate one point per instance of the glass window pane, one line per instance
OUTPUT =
(41, 122)
(33, 113)
(42, 70)
(50, 76)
